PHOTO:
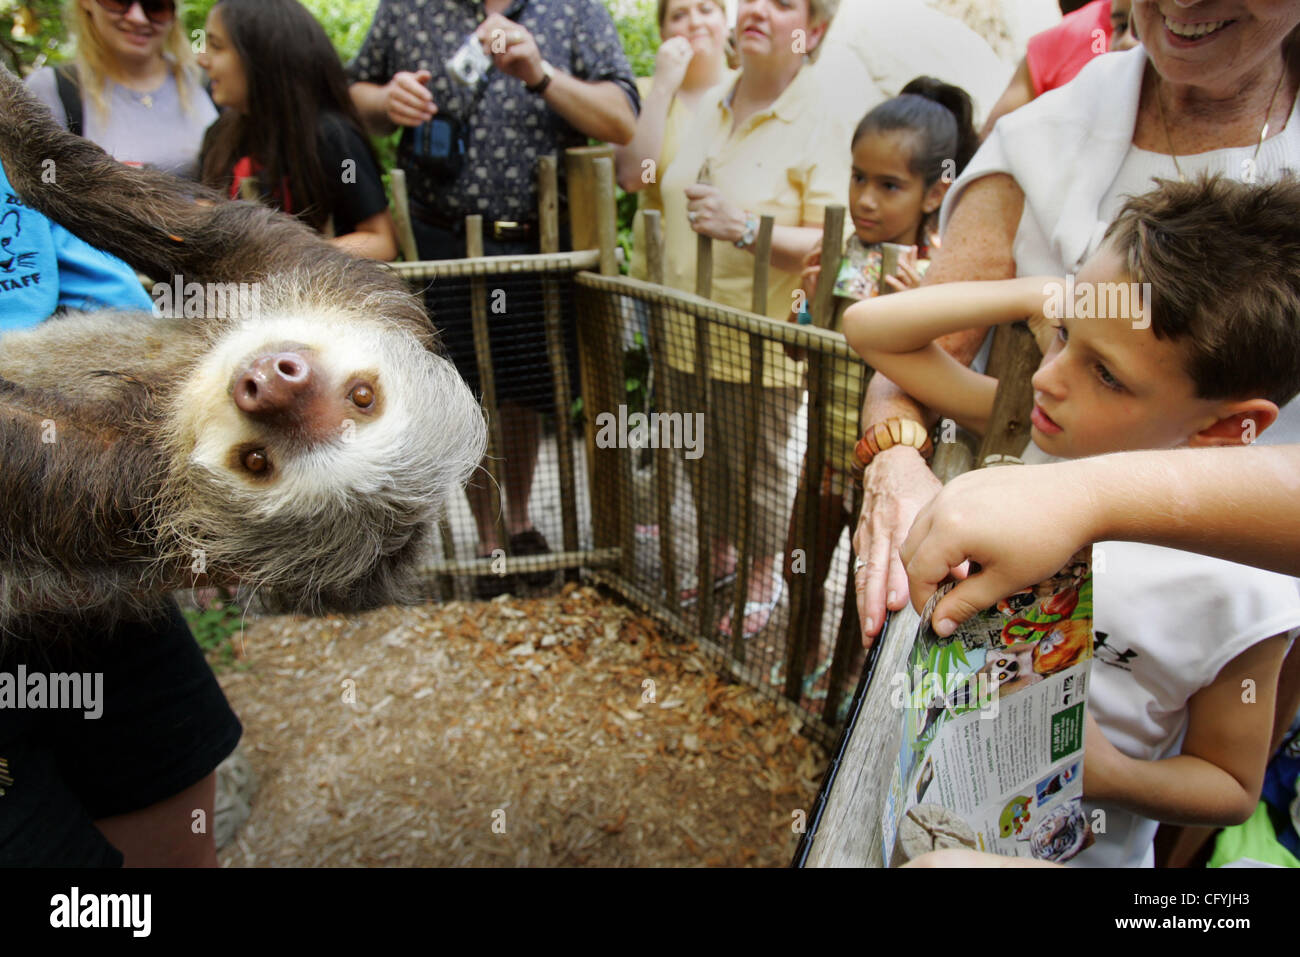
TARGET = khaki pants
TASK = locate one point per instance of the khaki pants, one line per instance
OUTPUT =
(732, 432)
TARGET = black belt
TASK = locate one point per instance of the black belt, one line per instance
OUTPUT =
(501, 230)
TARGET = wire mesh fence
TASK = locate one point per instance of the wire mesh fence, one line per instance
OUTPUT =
(724, 483)
(693, 457)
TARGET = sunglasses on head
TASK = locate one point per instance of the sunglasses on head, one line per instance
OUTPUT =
(158, 11)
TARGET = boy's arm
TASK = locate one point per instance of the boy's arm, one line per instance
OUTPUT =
(1217, 778)
(896, 336)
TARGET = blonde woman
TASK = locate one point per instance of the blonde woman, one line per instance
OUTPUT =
(690, 62)
(134, 88)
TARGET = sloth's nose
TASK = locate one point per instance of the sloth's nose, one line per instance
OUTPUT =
(272, 383)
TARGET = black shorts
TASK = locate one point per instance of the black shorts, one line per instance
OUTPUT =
(165, 725)
(516, 321)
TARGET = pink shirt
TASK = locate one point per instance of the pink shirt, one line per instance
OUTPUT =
(1056, 55)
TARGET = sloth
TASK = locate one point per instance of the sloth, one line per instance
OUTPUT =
(301, 441)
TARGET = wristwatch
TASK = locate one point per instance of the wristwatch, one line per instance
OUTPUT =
(750, 234)
(548, 72)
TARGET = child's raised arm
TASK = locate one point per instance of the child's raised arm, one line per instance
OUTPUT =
(895, 335)
(1217, 778)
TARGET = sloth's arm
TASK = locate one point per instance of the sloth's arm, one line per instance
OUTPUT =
(161, 225)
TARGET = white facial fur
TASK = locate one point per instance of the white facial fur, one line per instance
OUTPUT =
(427, 431)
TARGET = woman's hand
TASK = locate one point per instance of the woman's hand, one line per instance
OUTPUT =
(812, 267)
(407, 100)
(671, 62)
(713, 216)
(969, 520)
(897, 485)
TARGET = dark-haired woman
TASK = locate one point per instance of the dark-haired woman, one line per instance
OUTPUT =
(133, 87)
(289, 124)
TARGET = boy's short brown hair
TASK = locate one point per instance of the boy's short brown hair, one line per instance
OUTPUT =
(1223, 261)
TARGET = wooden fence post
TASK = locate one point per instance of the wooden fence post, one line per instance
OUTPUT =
(402, 215)
(487, 375)
(548, 202)
(589, 203)
(665, 466)
(1013, 359)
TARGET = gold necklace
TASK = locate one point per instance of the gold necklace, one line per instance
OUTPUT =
(1263, 132)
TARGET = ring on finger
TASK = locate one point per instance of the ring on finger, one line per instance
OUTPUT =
(858, 565)
(692, 216)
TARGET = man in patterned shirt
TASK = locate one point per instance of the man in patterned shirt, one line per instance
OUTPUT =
(559, 76)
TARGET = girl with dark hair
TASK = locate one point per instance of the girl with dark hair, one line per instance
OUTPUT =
(906, 152)
(289, 125)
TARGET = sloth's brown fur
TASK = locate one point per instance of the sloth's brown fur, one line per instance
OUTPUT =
(108, 515)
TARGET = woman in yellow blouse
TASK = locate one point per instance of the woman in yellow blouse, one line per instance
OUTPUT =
(760, 145)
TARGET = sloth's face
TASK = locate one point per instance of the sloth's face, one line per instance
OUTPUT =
(299, 411)
(325, 444)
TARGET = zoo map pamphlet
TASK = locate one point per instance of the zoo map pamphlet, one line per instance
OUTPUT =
(993, 725)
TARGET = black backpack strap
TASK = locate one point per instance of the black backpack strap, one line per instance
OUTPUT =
(65, 75)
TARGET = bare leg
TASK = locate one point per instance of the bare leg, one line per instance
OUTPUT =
(523, 433)
(162, 835)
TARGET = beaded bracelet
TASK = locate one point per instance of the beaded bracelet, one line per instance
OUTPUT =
(885, 435)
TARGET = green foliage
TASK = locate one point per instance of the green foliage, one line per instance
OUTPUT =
(345, 21)
(216, 627)
(639, 32)
(31, 32)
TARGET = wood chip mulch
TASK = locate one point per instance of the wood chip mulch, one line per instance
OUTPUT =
(558, 731)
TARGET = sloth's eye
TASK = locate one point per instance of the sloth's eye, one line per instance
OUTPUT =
(256, 460)
(362, 396)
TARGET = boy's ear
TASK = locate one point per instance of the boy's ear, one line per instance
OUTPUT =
(1241, 423)
(933, 198)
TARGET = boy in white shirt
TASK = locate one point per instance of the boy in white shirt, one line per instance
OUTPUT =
(1179, 331)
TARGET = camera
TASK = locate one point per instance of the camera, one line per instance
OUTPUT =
(437, 147)
(469, 64)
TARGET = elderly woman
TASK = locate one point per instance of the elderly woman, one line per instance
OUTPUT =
(135, 89)
(760, 145)
(690, 62)
(1213, 89)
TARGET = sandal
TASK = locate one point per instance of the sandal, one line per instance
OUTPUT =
(690, 595)
(811, 681)
(752, 608)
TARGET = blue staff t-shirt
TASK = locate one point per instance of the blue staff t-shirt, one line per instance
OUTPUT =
(43, 267)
